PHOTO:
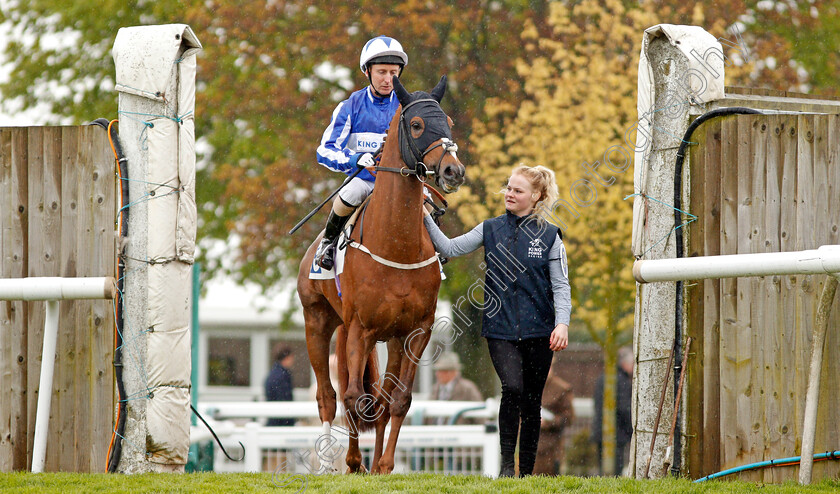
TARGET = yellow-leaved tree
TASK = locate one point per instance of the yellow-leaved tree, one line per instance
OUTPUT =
(578, 104)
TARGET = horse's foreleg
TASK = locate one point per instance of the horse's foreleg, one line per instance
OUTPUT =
(357, 350)
(410, 353)
(388, 382)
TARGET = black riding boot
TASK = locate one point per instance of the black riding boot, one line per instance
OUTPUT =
(508, 465)
(325, 255)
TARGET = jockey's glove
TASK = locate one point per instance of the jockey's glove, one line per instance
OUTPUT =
(363, 160)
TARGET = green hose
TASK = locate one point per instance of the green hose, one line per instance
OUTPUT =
(782, 462)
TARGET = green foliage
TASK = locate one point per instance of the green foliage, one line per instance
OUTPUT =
(421, 483)
(262, 103)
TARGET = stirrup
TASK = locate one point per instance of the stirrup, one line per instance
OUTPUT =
(324, 255)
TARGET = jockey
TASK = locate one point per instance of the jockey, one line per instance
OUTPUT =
(356, 132)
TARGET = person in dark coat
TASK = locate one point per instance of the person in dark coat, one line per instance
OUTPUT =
(450, 385)
(557, 402)
(623, 409)
(278, 384)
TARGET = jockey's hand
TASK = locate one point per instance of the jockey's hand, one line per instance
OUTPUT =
(365, 160)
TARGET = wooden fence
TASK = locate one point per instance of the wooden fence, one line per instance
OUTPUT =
(761, 183)
(57, 218)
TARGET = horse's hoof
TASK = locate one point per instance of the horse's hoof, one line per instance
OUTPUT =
(361, 469)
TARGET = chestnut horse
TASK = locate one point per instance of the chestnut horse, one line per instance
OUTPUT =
(389, 285)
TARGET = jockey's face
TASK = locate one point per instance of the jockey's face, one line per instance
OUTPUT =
(381, 77)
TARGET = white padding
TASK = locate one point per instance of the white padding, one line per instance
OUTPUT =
(169, 297)
(168, 425)
(144, 56)
(186, 216)
(174, 370)
(151, 60)
(702, 82)
(186, 96)
(161, 188)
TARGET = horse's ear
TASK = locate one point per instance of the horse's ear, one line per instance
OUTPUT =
(439, 90)
(402, 95)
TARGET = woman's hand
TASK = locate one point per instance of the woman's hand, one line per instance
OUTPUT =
(559, 338)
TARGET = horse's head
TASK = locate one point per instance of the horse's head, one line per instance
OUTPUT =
(425, 130)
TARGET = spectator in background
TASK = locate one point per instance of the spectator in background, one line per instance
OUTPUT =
(278, 384)
(623, 404)
(557, 402)
(450, 385)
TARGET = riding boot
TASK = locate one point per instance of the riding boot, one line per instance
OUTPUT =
(508, 465)
(325, 255)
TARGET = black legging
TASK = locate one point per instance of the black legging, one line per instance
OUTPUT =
(522, 367)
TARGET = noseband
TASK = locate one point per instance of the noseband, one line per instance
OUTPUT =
(408, 146)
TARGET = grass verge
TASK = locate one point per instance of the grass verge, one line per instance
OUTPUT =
(64, 483)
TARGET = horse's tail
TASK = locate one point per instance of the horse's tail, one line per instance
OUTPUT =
(370, 379)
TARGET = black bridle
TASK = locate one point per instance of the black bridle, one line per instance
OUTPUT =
(409, 152)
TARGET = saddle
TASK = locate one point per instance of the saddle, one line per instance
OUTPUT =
(316, 272)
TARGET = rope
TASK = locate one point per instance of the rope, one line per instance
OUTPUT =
(145, 453)
(691, 220)
(176, 118)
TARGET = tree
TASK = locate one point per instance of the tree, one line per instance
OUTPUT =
(269, 77)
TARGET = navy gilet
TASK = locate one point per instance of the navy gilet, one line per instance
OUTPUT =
(518, 300)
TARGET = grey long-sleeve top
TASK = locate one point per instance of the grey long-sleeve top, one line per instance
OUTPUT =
(473, 239)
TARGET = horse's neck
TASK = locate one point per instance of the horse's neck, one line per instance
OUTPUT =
(396, 218)
(396, 208)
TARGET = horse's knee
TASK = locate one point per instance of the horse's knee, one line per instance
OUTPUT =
(400, 404)
(351, 396)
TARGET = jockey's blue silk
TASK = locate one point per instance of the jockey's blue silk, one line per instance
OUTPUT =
(358, 125)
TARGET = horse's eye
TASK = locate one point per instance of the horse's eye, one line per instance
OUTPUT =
(415, 125)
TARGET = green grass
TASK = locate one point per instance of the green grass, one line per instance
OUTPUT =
(67, 483)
